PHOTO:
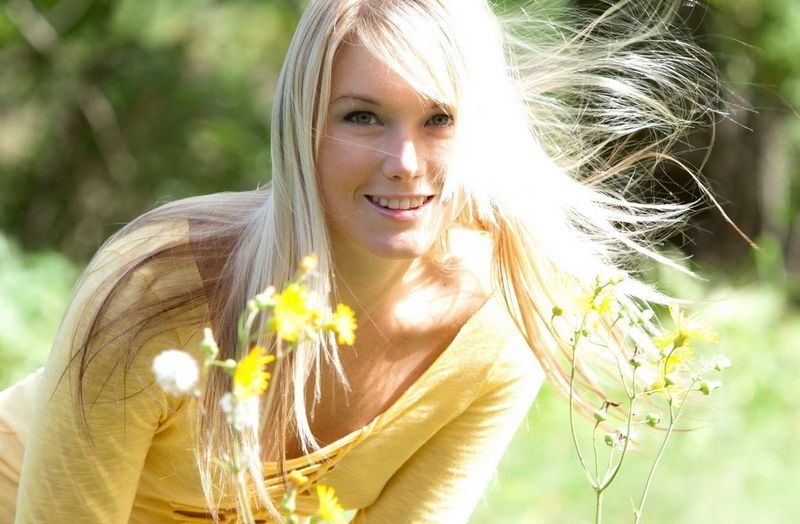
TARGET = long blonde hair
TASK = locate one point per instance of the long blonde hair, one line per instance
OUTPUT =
(559, 119)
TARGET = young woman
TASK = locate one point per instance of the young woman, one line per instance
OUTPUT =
(456, 178)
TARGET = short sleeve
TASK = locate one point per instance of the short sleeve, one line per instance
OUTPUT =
(445, 478)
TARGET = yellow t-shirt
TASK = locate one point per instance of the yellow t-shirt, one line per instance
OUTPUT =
(427, 458)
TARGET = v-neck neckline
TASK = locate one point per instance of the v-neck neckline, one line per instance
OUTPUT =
(389, 413)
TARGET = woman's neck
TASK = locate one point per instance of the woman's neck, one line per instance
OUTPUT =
(398, 293)
(367, 283)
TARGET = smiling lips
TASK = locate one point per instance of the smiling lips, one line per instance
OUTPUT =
(400, 204)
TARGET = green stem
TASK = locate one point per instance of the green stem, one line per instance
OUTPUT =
(610, 479)
(594, 449)
(673, 419)
(610, 460)
(245, 337)
(576, 338)
(598, 508)
(241, 485)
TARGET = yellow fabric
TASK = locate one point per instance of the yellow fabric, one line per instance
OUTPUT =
(427, 458)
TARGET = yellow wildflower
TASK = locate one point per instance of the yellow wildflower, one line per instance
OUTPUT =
(344, 324)
(329, 508)
(293, 312)
(667, 386)
(687, 329)
(677, 358)
(251, 377)
(602, 301)
(670, 366)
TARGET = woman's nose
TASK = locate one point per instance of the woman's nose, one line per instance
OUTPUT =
(402, 161)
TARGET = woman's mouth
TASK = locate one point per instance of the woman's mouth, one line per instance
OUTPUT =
(400, 208)
(402, 204)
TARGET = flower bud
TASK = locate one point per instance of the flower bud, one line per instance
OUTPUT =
(265, 299)
(309, 263)
(209, 344)
(252, 306)
(289, 502)
(228, 365)
(653, 419)
(707, 386)
(609, 439)
(298, 478)
(557, 311)
(721, 362)
(600, 415)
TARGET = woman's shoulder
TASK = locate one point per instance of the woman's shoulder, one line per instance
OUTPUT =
(199, 222)
(156, 268)
(135, 261)
(186, 241)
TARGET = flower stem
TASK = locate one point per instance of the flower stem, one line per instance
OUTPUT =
(241, 485)
(594, 449)
(576, 338)
(672, 421)
(598, 509)
(610, 478)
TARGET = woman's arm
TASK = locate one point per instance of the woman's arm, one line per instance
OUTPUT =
(89, 473)
(445, 478)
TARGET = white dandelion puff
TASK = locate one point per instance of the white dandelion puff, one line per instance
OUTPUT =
(176, 371)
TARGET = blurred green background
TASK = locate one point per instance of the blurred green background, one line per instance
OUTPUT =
(108, 108)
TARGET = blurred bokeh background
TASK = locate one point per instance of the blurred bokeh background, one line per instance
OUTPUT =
(108, 108)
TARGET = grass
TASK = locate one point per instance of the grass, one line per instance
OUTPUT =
(34, 289)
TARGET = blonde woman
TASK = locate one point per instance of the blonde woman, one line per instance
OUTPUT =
(456, 174)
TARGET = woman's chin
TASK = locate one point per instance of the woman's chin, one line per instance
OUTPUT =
(386, 249)
(399, 251)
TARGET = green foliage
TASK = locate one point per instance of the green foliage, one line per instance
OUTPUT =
(122, 105)
(34, 289)
(125, 104)
(755, 163)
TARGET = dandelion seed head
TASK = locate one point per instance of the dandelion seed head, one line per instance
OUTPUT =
(176, 371)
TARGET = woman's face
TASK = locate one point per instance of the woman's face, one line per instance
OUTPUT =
(379, 156)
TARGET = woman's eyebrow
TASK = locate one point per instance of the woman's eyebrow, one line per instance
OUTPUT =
(357, 97)
(434, 106)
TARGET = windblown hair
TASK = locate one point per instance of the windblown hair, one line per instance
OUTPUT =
(561, 119)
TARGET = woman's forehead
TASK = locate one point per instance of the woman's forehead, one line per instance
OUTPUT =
(359, 75)
(427, 60)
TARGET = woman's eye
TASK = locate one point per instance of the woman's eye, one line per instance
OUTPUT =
(362, 118)
(441, 120)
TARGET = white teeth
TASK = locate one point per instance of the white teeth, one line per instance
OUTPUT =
(398, 204)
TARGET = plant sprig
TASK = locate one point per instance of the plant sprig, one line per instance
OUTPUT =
(292, 316)
(662, 363)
